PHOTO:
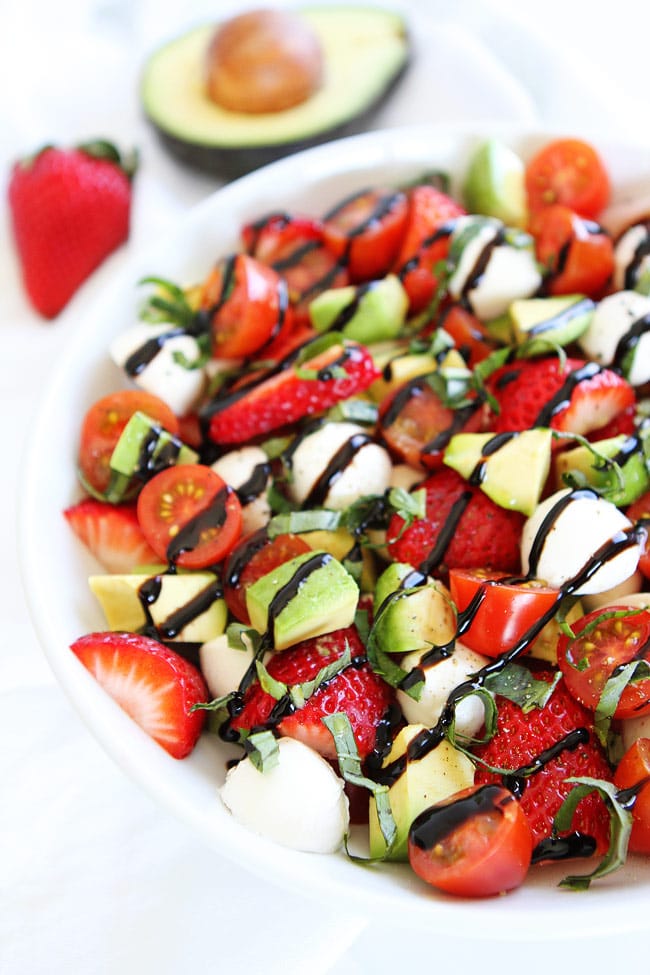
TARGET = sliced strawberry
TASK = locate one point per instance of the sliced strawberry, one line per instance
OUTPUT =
(521, 739)
(462, 528)
(153, 684)
(357, 691)
(574, 396)
(111, 533)
(296, 391)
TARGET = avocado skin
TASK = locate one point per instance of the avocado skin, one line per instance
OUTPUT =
(233, 161)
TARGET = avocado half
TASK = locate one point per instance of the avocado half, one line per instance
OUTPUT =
(366, 51)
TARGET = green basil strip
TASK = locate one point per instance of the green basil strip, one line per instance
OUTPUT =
(296, 522)
(218, 704)
(262, 749)
(318, 346)
(409, 505)
(300, 693)
(635, 670)
(491, 714)
(350, 766)
(620, 826)
(355, 411)
(517, 684)
(242, 637)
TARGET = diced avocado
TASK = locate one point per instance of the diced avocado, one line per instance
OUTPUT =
(365, 50)
(399, 369)
(412, 613)
(305, 597)
(143, 449)
(501, 329)
(542, 323)
(342, 545)
(188, 607)
(421, 782)
(544, 646)
(371, 312)
(511, 468)
(494, 184)
(622, 481)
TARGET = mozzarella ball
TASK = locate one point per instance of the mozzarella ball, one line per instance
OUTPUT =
(300, 803)
(635, 238)
(163, 375)
(576, 531)
(248, 472)
(621, 593)
(509, 273)
(613, 318)
(440, 679)
(223, 666)
(365, 471)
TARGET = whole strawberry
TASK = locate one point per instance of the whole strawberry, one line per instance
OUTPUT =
(70, 209)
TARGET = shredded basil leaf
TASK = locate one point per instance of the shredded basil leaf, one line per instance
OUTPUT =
(517, 684)
(262, 749)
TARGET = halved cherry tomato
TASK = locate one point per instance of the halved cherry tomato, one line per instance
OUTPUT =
(578, 255)
(430, 221)
(476, 843)
(633, 773)
(246, 303)
(251, 559)
(417, 426)
(103, 425)
(470, 336)
(570, 172)
(189, 516)
(507, 609)
(366, 231)
(602, 644)
(638, 510)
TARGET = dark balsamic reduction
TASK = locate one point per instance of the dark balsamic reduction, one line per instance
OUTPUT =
(460, 418)
(491, 446)
(169, 628)
(436, 824)
(562, 397)
(556, 848)
(641, 250)
(348, 312)
(516, 781)
(242, 554)
(480, 265)
(561, 318)
(189, 536)
(446, 534)
(334, 469)
(254, 485)
(147, 352)
(290, 589)
(628, 342)
(442, 233)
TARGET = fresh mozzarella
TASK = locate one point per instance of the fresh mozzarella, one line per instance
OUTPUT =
(573, 532)
(367, 470)
(406, 477)
(164, 374)
(248, 468)
(612, 320)
(621, 593)
(223, 666)
(509, 272)
(633, 242)
(299, 803)
(439, 680)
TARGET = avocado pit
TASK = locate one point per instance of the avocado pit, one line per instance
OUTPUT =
(263, 61)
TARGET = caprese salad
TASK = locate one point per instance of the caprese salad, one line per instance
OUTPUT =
(372, 506)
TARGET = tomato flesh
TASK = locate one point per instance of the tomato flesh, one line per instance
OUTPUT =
(604, 641)
(103, 425)
(252, 558)
(633, 773)
(640, 509)
(507, 611)
(366, 231)
(570, 172)
(189, 516)
(578, 256)
(477, 843)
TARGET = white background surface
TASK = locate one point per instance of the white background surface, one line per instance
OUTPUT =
(93, 877)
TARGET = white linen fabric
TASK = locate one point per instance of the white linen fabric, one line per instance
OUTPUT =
(94, 877)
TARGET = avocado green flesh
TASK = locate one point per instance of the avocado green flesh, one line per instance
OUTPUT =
(365, 52)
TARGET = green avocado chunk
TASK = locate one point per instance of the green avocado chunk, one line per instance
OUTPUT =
(412, 612)
(305, 597)
(621, 482)
(366, 50)
(372, 312)
(494, 184)
(544, 323)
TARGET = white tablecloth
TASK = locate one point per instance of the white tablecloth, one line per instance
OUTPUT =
(94, 878)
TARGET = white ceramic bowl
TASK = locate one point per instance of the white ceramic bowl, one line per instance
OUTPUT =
(55, 570)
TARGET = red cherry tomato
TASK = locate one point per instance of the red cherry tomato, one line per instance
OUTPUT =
(247, 305)
(570, 172)
(103, 425)
(189, 516)
(366, 231)
(476, 843)
(252, 558)
(507, 610)
(294, 247)
(470, 336)
(603, 643)
(431, 215)
(633, 772)
(417, 426)
(638, 510)
(578, 255)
